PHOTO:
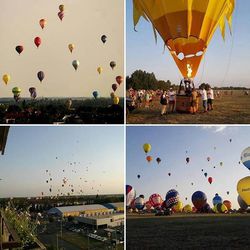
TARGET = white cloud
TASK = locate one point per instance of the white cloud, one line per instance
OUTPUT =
(215, 129)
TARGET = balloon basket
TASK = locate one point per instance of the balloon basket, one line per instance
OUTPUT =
(183, 104)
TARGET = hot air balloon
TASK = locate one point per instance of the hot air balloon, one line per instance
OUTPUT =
(138, 176)
(220, 208)
(16, 91)
(227, 192)
(178, 207)
(169, 174)
(114, 87)
(228, 204)
(187, 209)
(75, 64)
(199, 199)
(139, 203)
(230, 140)
(61, 7)
(210, 180)
(40, 75)
(205, 174)
(37, 41)
(6, 78)
(243, 189)
(158, 160)
(61, 15)
(19, 49)
(187, 160)
(242, 203)
(104, 38)
(119, 79)
(221, 163)
(112, 65)
(42, 23)
(245, 157)
(205, 209)
(172, 198)
(217, 199)
(208, 158)
(202, 170)
(155, 200)
(186, 29)
(130, 195)
(95, 94)
(146, 148)
(99, 70)
(148, 205)
(32, 91)
(71, 46)
(116, 100)
(112, 95)
(149, 158)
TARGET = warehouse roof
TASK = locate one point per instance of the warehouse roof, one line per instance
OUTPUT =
(78, 208)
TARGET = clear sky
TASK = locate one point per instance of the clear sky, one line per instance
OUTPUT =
(84, 23)
(143, 53)
(170, 144)
(94, 154)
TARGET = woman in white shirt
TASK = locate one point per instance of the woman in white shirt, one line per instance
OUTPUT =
(210, 98)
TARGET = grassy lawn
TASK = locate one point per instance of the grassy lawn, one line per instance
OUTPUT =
(188, 232)
(228, 109)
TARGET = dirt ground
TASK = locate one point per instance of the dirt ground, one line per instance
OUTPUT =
(228, 109)
(196, 231)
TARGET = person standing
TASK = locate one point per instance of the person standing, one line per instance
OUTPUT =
(171, 95)
(194, 101)
(204, 98)
(164, 102)
(210, 98)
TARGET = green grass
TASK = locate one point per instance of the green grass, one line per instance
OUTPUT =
(228, 109)
(188, 231)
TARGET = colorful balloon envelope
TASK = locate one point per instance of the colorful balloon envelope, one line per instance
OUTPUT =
(187, 160)
(40, 75)
(243, 188)
(228, 204)
(37, 41)
(71, 47)
(60, 15)
(217, 199)
(116, 100)
(112, 65)
(148, 205)
(158, 160)
(156, 200)
(177, 208)
(104, 38)
(186, 28)
(114, 87)
(220, 208)
(42, 23)
(119, 79)
(172, 198)
(139, 203)
(99, 70)
(75, 64)
(146, 147)
(6, 78)
(242, 203)
(199, 199)
(149, 158)
(19, 49)
(130, 195)
(61, 7)
(16, 92)
(210, 180)
(187, 209)
(32, 91)
(245, 157)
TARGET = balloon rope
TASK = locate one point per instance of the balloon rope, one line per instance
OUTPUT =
(232, 45)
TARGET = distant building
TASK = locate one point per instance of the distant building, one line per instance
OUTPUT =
(83, 210)
(117, 206)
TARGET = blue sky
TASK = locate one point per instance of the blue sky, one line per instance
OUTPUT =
(170, 144)
(30, 151)
(143, 53)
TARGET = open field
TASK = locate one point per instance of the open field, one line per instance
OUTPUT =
(228, 109)
(196, 231)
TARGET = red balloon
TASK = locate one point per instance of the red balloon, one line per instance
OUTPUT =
(114, 87)
(37, 41)
(119, 79)
(210, 180)
(61, 15)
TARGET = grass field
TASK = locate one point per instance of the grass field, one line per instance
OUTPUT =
(228, 109)
(213, 231)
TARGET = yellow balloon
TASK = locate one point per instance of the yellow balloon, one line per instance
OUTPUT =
(187, 209)
(116, 100)
(178, 207)
(146, 147)
(186, 27)
(71, 46)
(243, 188)
(6, 78)
(99, 70)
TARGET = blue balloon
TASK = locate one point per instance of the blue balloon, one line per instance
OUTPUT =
(95, 94)
(199, 200)
(245, 157)
(172, 198)
(217, 199)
